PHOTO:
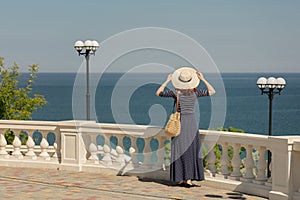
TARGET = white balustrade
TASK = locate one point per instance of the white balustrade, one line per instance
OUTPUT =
(134, 159)
(3, 143)
(261, 166)
(236, 162)
(55, 146)
(269, 181)
(16, 152)
(79, 149)
(17, 148)
(224, 160)
(211, 159)
(121, 157)
(161, 153)
(147, 154)
(93, 151)
(249, 165)
(30, 146)
(107, 156)
(120, 141)
(134, 153)
(44, 149)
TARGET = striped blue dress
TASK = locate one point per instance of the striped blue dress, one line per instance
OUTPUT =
(186, 154)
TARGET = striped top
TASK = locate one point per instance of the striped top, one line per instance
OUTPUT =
(186, 101)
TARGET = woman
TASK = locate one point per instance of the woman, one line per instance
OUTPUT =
(186, 155)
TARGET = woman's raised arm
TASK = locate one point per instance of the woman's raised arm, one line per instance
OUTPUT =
(210, 88)
(162, 87)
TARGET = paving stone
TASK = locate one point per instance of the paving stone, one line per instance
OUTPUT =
(27, 183)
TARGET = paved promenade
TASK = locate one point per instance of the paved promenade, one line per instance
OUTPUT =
(25, 183)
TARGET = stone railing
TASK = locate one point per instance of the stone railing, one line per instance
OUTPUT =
(239, 163)
(36, 143)
(246, 170)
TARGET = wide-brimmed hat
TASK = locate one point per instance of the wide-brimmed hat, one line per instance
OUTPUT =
(185, 78)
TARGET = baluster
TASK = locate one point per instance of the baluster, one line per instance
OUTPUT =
(107, 157)
(107, 139)
(121, 157)
(236, 162)
(113, 146)
(55, 150)
(57, 145)
(134, 153)
(44, 148)
(93, 151)
(126, 144)
(249, 164)
(120, 139)
(17, 147)
(147, 154)
(270, 178)
(140, 150)
(133, 161)
(262, 165)
(99, 146)
(30, 146)
(224, 160)
(211, 159)
(154, 146)
(161, 152)
(123, 141)
(121, 145)
(3, 143)
(269, 181)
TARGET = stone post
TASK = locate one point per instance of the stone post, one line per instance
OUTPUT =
(285, 168)
(73, 148)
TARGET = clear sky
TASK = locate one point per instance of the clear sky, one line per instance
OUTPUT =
(240, 36)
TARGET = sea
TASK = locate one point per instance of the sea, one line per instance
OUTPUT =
(131, 99)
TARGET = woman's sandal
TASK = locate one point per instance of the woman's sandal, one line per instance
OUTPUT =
(186, 185)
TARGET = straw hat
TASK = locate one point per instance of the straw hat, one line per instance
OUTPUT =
(185, 78)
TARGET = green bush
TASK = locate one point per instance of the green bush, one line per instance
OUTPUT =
(9, 136)
(18, 102)
(167, 153)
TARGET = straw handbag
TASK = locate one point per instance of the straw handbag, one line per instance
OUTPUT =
(173, 125)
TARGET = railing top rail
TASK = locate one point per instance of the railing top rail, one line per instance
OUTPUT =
(135, 130)
(291, 139)
(28, 125)
(29, 122)
(234, 138)
(233, 134)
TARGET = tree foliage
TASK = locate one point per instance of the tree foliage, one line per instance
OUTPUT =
(17, 102)
(231, 129)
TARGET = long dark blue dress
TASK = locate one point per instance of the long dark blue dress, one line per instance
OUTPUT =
(186, 154)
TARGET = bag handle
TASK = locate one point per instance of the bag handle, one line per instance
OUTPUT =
(176, 103)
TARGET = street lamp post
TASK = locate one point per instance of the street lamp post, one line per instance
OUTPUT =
(269, 86)
(90, 48)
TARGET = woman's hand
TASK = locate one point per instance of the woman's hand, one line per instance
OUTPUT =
(200, 76)
(162, 87)
(169, 77)
(210, 88)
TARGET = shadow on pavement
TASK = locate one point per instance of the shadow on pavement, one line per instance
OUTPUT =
(162, 182)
